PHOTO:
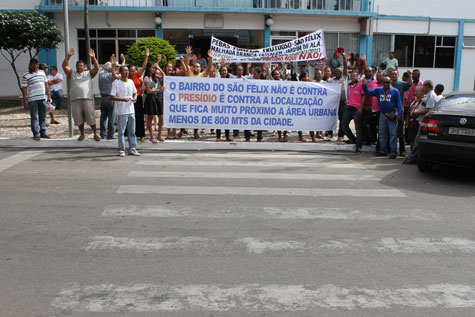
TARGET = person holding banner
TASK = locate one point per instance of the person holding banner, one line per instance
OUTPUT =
(275, 75)
(257, 73)
(341, 77)
(223, 72)
(304, 77)
(198, 73)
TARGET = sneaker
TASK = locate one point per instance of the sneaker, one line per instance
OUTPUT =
(341, 139)
(358, 150)
(350, 141)
(134, 152)
(392, 156)
(329, 138)
(403, 154)
(37, 138)
(45, 136)
(122, 154)
(381, 154)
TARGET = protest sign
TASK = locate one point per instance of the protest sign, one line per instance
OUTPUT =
(308, 47)
(216, 103)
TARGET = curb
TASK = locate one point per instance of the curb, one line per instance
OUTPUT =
(174, 145)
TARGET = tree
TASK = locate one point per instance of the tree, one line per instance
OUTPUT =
(136, 52)
(26, 32)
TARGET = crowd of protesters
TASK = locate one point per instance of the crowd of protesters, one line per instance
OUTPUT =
(386, 110)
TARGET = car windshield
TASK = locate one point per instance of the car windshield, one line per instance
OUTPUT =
(457, 103)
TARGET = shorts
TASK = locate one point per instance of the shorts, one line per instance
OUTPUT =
(83, 110)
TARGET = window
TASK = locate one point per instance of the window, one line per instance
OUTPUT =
(381, 47)
(106, 42)
(469, 42)
(349, 41)
(425, 51)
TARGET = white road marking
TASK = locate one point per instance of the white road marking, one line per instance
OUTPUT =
(259, 191)
(17, 159)
(255, 245)
(259, 246)
(146, 244)
(246, 164)
(272, 212)
(351, 177)
(255, 297)
(230, 155)
(424, 245)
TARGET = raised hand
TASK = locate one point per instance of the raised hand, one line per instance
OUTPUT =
(91, 53)
(122, 58)
(71, 52)
(113, 59)
(147, 52)
(188, 50)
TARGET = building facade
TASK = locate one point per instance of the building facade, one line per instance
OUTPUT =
(438, 39)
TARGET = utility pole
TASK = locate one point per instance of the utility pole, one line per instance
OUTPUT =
(86, 31)
(66, 49)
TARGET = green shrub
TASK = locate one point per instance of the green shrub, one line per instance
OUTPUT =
(136, 52)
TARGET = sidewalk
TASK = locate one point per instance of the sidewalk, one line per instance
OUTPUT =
(15, 132)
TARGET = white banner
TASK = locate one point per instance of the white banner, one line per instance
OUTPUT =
(308, 47)
(217, 103)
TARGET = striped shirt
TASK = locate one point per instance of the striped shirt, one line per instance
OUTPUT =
(35, 84)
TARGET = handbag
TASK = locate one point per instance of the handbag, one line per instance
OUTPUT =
(391, 116)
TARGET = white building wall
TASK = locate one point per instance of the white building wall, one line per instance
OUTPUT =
(458, 9)
(19, 4)
(444, 76)
(467, 74)
(415, 27)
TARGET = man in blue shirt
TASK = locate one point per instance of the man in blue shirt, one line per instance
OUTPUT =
(390, 105)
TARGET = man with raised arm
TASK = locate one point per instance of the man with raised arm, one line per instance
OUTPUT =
(82, 93)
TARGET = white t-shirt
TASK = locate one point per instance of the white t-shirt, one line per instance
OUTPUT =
(428, 102)
(58, 86)
(122, 89)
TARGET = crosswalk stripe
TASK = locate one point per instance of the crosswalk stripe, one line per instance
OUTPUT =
(259, 191)
(255, 245)
(149, 244)
(17, 159)
(245, 164)
(297, 213)
(255, 297)
(249, 155)
(306, 176)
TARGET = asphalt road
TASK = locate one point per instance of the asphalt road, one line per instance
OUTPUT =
(86, 233)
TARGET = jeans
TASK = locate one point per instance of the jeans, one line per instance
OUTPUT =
(387, 130)
(127, 121)
(413, 156)
(351, 113)
(107, 115)
(59, 96)
(38, 114)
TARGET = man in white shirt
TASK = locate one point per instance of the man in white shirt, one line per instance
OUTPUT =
(124, 93)
(428, 102)
(55, 86)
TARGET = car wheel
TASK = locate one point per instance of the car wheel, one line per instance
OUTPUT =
(424, 166)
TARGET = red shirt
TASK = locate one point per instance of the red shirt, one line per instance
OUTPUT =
(138, 83)
(411, 93)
